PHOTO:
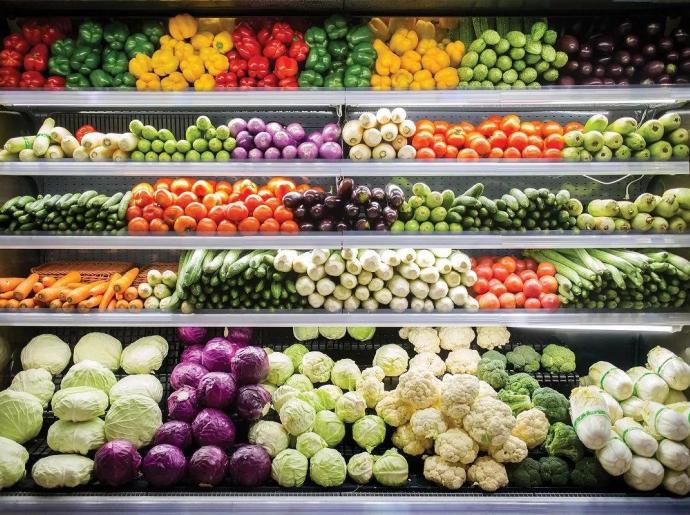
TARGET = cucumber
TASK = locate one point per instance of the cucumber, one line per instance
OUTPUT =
(510, 201)
(489, 204)
(62, 200)
(214, 265)
(123, 205)
(113, 201)
(74, 198)
(501, 217)
(228, 260)
(96, 201)
(192, 270)
(467, 201)
(474, 191)
(9, 204)
(86, 196)
(520, 197)
(531, 193)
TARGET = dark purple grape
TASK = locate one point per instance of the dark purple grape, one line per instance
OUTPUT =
(649, 50)
(622, 57)
(653, 28)
(614, 70)
(629, 71)
(572, 66)
(608, 81)
(604, 44)
(637, 60)
(566, 80)
(585, 51)
(599, 71)
(362, 225)
(681, 36)
(672, 57)
(568, 44)
(300, 213)
(665, 44)
(653, 69)
(632, 41)
(306, 226)
(292, 199)
(664, 79)
(586, 69)
(624, 28)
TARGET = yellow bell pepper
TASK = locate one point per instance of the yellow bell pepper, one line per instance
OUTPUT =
(456, 51)
(381, 83)
(402, 80)
(380, 46)
(403, 40)
(202, 40)
(183, 50)
(435, 59)
(223, 42)
(139, 65)
(164, 62)
(387, 63)
(182, 26)
(423, 80)
(411, 61)
(207, 53)
(205, 83)
(168, 43)
(425, 45)
(447, 78)
(174, 82)
(149, 82)
(217, 63)
(379, 28)
(192, 67)
(425, 29)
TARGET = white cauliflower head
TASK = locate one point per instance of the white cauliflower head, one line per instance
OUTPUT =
(374, 371)
(513, 450)
(489, 422)
(424, 339)
(488, 474)
(393, 410)
(486, 390)
(531, 427)
(458, 392)
(429, 361)
(409, 443)
(492, 337)
(456, 446)
(448, 475)
(371, 388)
(428, 423)
(454, 338)
(463, 361)
(419, 388)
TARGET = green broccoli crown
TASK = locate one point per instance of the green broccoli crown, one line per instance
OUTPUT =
(525, 474)
(554, 471)
(554, 404)
(562, 441)
(522, 383)
(524, 358)
(518, 402)
(493, 372)
(494, 355)
(588, 473)
(556, 358)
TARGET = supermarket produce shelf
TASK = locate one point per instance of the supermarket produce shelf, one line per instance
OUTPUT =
(344, 167)
(336, 240)
(624, 320)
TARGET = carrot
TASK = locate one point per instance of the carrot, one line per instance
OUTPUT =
(70, 277)
(27, 303)
(55, 304)
(82, 293)
(126, 280)
(7, 295)
(136, 304)
(48, 281)
(47, 295)
(72, 286)
(108, 294)
(3, 303)
(131, 293)
(88, 304)
(67, 307)
(38, 287)
(111, 305)
(99, 289)
(12, 304)
(9, 283)
(24, 288)
(122, 304)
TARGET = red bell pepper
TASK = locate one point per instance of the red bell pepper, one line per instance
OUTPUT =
(299, 50)
(269, 81)
(245, 41)
(11, 58)
(264, 35)
(283, 32)
(274, 49)
(37, 58)
(247, 82)
(50, 33)
(55, 82)
(286, 67)
(83, 130)
(258, 67)
(16, 42)
(238, 66)
(9, 77)
(31, 30)
(288, 82)
(32, 80)
(226, 80)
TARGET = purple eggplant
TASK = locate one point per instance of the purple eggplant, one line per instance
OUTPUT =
(681, 36)
(622, 57)
(593, 82)
(351, 211)
(653, 69)
(362, 225)
(608, 81)
(373, 210)
(629, 71)
(585, 51)
(665, 44)
(566, 80)
(326, 225)
(632, 41)
(605, 60)
(637, 60)
(682, 79)
(604, 45)
(623, 82)
(306, 226)
(614, 70)
(310, 197)
(345, 187)
(333, 203)
(664, 79)
(569, 44)
(342, 226)
(653, 28)
(390, 215)
(599, 71)
(361, 195)
(586, 68)
(292, 199)
(649, 50)
(300, 213)
(316, 212)
(685, 54)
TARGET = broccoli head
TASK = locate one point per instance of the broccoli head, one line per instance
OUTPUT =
(521, 383)
(517, 401)
(554, 404)
(493, 372)
(524, 358)
(525, 474)
(556, 358)
(494, 355)
(562, 441)
(554, 471)
(588, 473)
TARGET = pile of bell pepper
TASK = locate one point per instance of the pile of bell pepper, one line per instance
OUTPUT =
(99, 56)
(24, 56)
(339, 55)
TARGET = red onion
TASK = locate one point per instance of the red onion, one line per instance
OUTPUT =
(316, 137)
(289, 152)
(263, 140)
(308, 150)
(273, 127)
(255, 154)
(330, 150)
(272, 153)
(256, 125)
(245, 140)
(237, 125)
(296, 131)
(331, 132)
(281, 139)
(239, 153)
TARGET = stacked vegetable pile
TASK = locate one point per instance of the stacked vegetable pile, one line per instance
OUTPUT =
(339, 55)
(24, 56)
(623, 139)
(157, 288)
(637, 422)
(624, 279)
(381, 135)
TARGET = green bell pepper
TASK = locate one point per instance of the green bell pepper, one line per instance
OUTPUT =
(100, 79)
(338, 67)
(336, 26)
(85, 59)
(115, 62)
(357, 76)
(359, 34)
(59, 65)
(77, 81)
(115, 34)
(62, 48)
(310, 79)
(154, 30)
(318, 60)
(138, 43)
(363, 54)
(334, 80)
(124, 80)
(338, 49)
(316, 37)
(90, 32)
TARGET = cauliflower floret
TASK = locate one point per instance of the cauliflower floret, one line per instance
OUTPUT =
(486, 390)
(429, 361)
(428, 423)
(488, 474)
(454, 338)
(531, 427)
(439, 471)
(458, 392)
(456, 446)
(489, 422)
(375, 371)
(513, 450)
(424, 339)
(393, 410)
(371, 388)
(409, 443)
(492, 337)
(463, 361)
(403, 332)
(419, 388)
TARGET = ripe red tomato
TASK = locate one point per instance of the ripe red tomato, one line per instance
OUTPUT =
(519, 265)
(488, 301)
(513, 283)
(509, 262)
(532, 304)
(500, 271)
(528, 274)
(133, 212)
(546, 268)
(530, 264)
(485, 261)
(480, 286)
(152, 211)
(185, 198)
(507, 301)
(207, 226)
(520, 300)
(550, 301)
(498, 288)
(484, 272)
(549, 284)
(217, 213)
(158, 225)
(532, 288)
(138, 225)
